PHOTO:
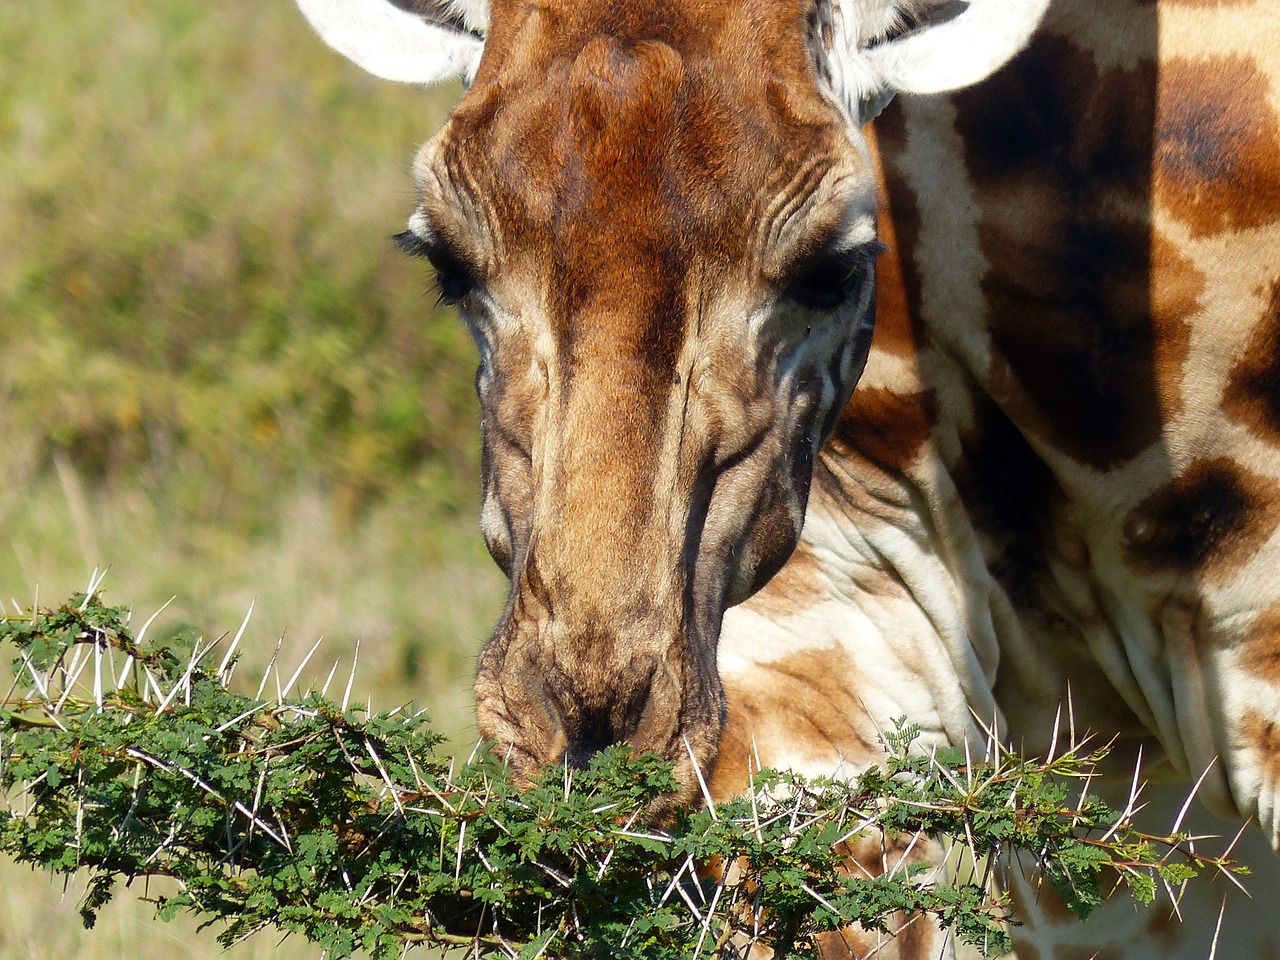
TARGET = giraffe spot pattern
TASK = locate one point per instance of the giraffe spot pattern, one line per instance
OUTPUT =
(1088, 310)
(1208, 520)
(896, 331)
(805, 702)
(1263, 735)
(885, 427)
(797, 587)
(1005, 487)
(1261, 653)
(1217, 140)
(1252, 395)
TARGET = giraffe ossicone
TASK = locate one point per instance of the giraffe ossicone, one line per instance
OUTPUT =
(668, 229)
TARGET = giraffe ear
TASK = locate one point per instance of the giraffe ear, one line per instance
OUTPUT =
(411, 41)
(876, 48)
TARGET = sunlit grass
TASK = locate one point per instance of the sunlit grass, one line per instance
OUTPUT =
(217, 376)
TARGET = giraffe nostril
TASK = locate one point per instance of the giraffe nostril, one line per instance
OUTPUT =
(529, 721)
(595, 733)
(658, 720)
(643, 713)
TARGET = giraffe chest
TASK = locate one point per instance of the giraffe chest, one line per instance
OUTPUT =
(1091, 264)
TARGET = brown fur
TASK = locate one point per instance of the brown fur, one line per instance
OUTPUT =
(1217, 165)
(613, 179)
(1253, 392)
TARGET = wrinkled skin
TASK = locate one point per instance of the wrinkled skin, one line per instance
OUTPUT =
(670, 282)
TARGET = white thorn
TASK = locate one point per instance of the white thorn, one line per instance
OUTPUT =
(151, 619)
(97, 676)
(235, 642)
(124, 673)
(184, 681)
(697, 772)
(351, 678)
(324, 691)
(1053, 737)
(1213, 947)
(266, 674)
(1177, 823)
(302, 666)
(1071, 716)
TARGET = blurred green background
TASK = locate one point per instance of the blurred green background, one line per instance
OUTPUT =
(219, 379)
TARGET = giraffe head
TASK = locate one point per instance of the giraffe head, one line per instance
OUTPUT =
(657, 219)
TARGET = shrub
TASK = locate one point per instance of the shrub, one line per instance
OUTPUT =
(305, 812)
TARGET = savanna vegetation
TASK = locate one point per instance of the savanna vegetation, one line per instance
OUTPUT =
(218, 377)
(306, 812)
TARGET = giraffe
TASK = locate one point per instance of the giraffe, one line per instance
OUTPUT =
(1057, 479)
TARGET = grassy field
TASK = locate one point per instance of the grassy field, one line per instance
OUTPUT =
(218, 378)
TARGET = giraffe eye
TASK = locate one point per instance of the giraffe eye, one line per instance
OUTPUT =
(827, 282)
(453, 277)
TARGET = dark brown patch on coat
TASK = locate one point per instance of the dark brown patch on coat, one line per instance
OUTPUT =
(1061, 167)
(1006, 489)
(1252, 394)
(896, 330)
(1263, 735)
(850, 943)
(797, 587)
(909, 937)
(1261, 654)
(807, 701)
(1217, 142)
(1209, 520)
(884, 427)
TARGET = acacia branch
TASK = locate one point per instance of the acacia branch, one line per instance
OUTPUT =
(351, 829)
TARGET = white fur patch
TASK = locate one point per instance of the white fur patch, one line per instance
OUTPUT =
(392, 43)
(948, 55)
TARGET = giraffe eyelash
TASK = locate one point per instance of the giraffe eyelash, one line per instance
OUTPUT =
(453, 277)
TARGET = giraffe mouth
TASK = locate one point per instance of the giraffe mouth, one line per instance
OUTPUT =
(545, 695)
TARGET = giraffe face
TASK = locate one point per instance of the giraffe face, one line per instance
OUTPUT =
(667, 267)
(657, 218)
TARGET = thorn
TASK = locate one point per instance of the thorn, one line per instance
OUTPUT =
(267, 672)
(39, 681)
(911, 846)
(386, 778)
(97, 676)
(71, 677)
(1177, 823)
(324, 691)
(302, 666)
(152, 686)
(1213, 947)
(702, 784)
(462, 834)
(235, 642)
(1071, 716)
(1053, 737)
(351, 679)
(151, 619)
(95, 581)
